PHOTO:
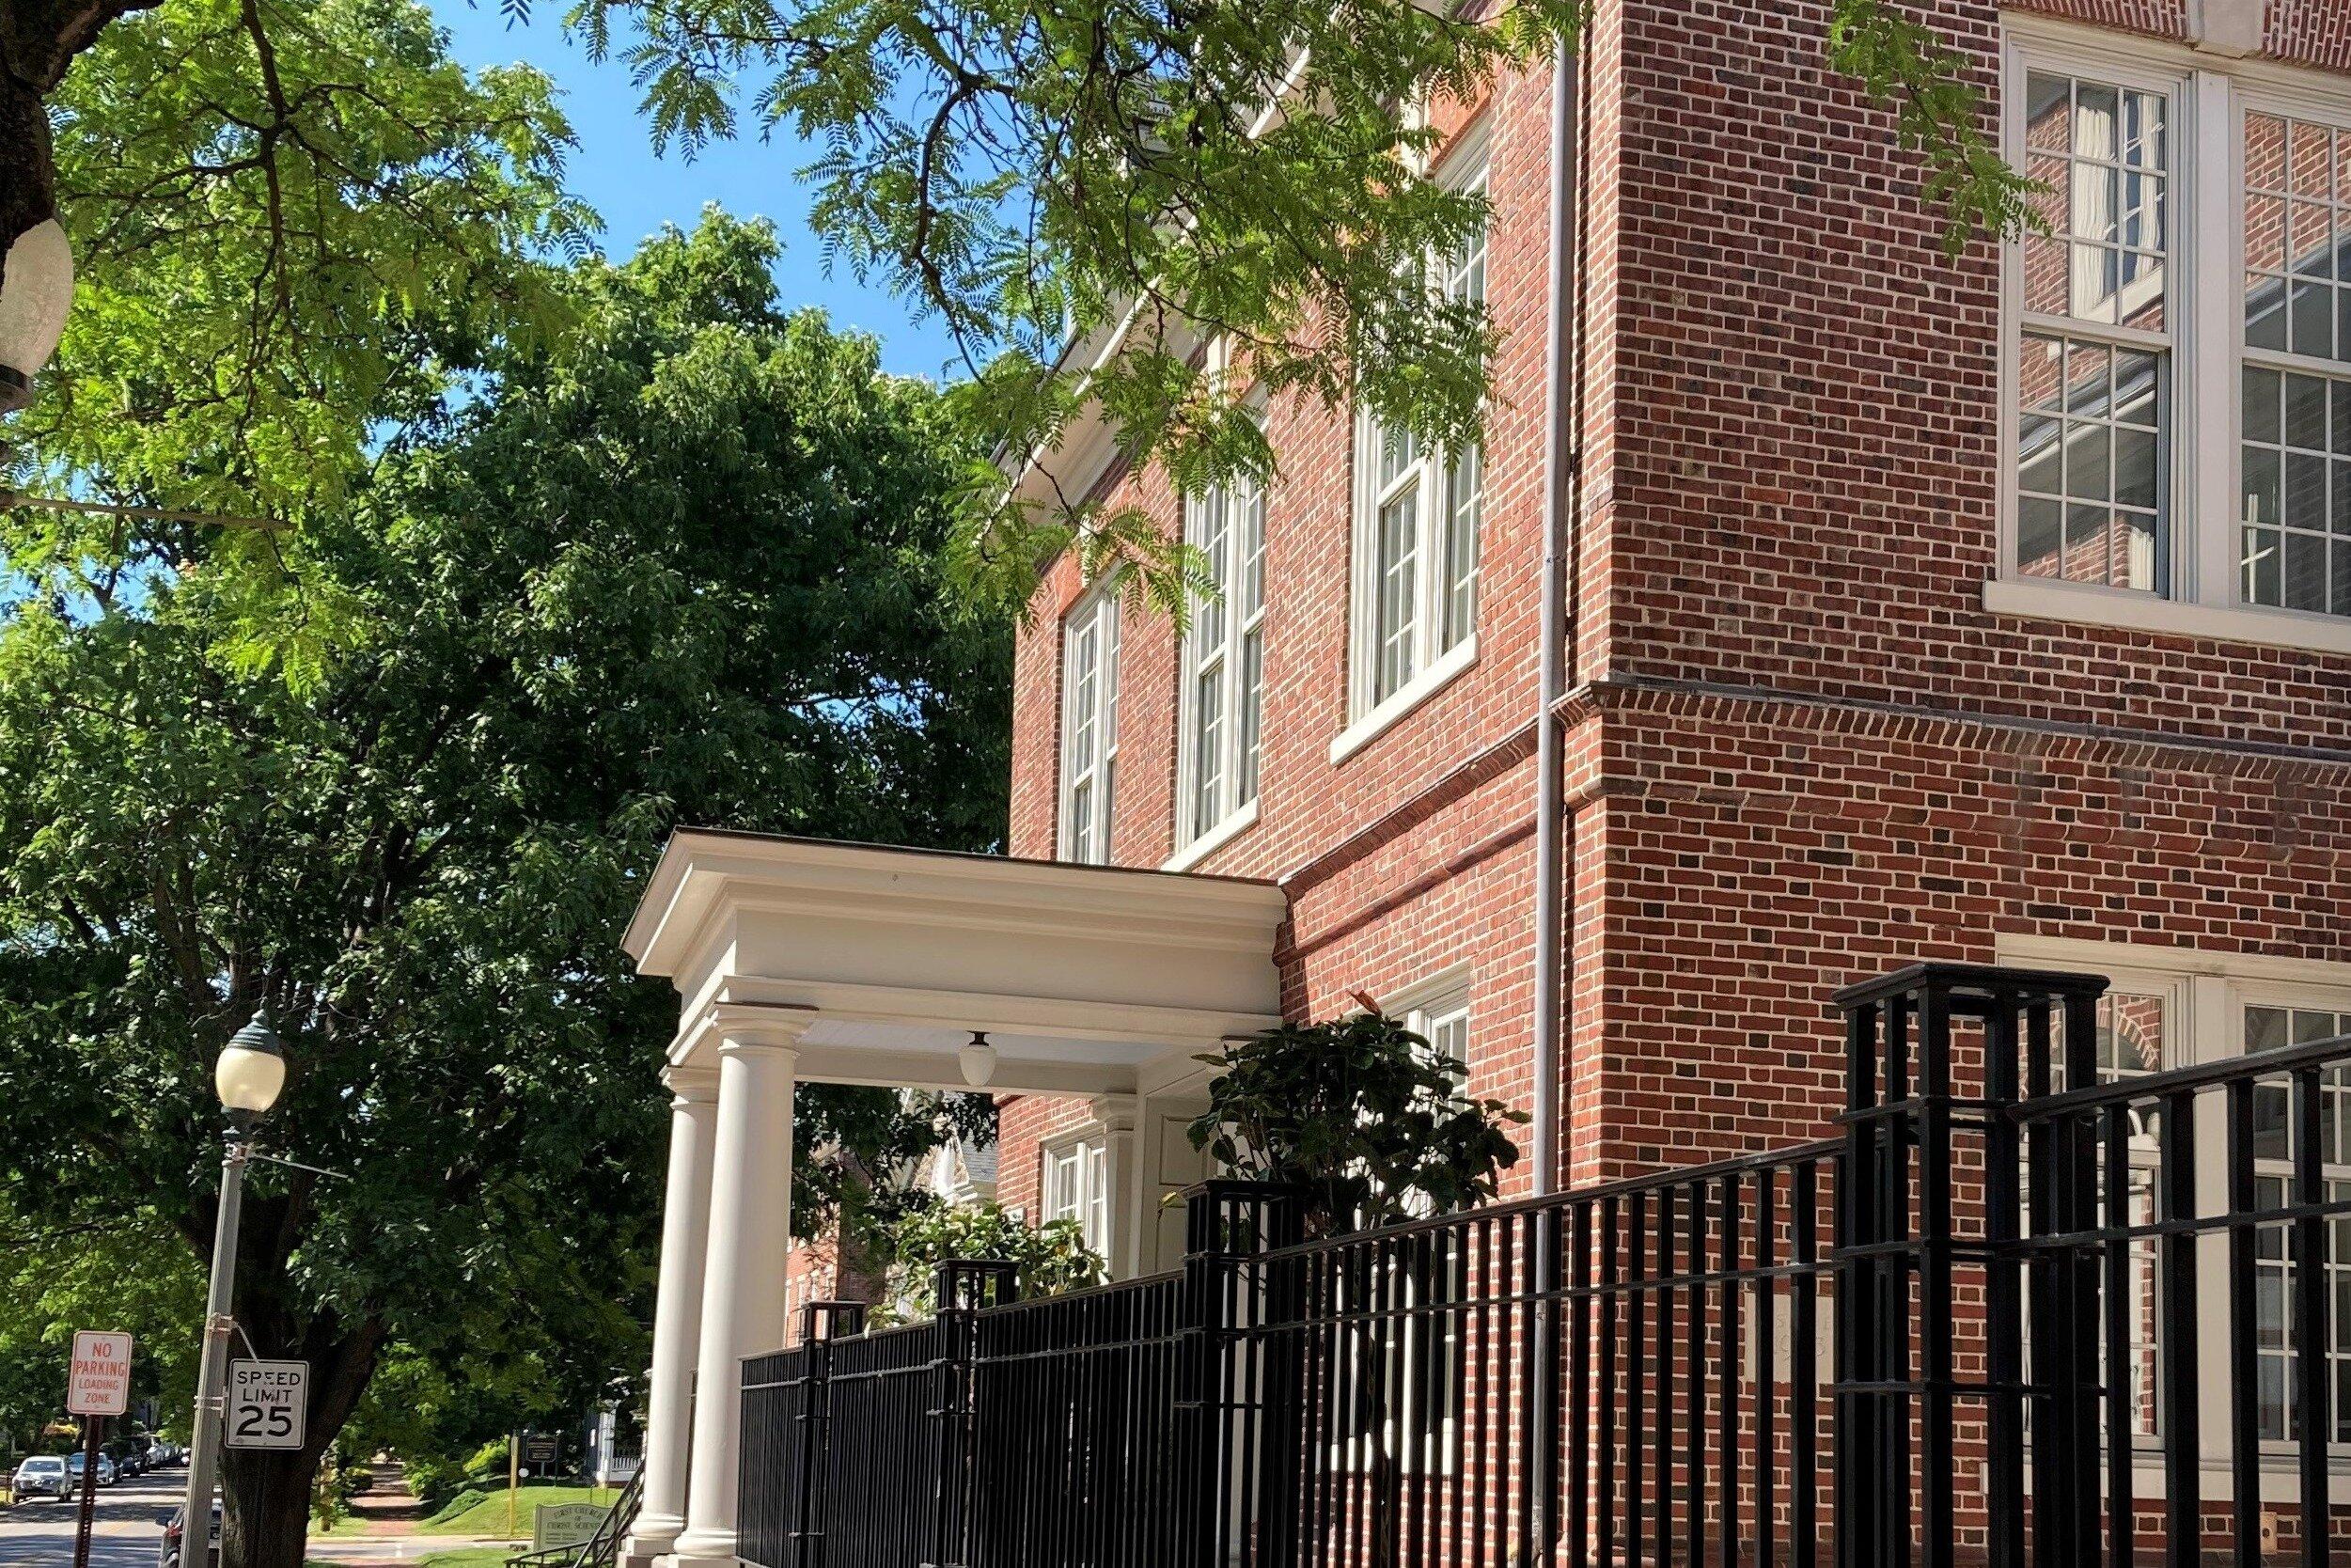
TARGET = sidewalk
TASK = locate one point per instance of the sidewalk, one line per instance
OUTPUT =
(385, 1551)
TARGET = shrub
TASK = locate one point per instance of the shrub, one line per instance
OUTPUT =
(1050, 1258)
(1366, 1117)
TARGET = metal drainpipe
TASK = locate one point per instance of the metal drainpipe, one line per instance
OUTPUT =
(1563, 465)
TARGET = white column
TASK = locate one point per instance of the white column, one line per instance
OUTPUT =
(1123, 1246)
(676, 1314)
(743, 1286)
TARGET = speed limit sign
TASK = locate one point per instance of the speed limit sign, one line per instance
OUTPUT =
(267, 1401)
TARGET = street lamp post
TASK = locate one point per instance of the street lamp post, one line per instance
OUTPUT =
(250, 1073)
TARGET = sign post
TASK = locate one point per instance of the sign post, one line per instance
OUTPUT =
(98, 1384)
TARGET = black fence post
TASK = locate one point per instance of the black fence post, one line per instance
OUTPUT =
(1239, 1460)
(821, 1323)
(1901, 1242)
(963, 1287)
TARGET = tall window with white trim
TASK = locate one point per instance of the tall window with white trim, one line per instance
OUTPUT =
(2177, 361)
(1090, 728)
(1417, 520)
(2095, 345)
(1220, 734)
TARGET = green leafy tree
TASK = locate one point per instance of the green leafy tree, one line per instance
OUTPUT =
(121, 1273)
(856, 1150)
(291, 220)
(1368, 1118)
(1131, 180)
(684, 567)
(1051, 1258)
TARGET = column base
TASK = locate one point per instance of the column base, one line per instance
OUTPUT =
(703, 1548)
(651, 1537)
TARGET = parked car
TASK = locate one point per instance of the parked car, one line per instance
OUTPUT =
(127, 1460)
(106, 1470)
(43, 1475)
(173, 1529)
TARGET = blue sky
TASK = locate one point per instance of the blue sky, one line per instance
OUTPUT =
(615, 170)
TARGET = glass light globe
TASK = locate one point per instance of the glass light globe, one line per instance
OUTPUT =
(977, 1061)
(33, 304)
(251, 1071)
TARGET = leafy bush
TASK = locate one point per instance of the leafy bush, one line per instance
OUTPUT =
(1366, 1116)
(1051, 1258)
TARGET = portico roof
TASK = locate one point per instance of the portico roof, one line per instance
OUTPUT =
(880, 961)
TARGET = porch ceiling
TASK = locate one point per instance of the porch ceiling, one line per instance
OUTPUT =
(1088, 979)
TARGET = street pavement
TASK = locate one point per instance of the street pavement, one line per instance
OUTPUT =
(126, 1535)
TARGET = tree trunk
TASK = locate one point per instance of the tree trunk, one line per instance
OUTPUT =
(28, 189)
(266, 1507)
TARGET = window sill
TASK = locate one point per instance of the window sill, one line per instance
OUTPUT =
(1208, 843)
(2135, 612)
(1404, 699)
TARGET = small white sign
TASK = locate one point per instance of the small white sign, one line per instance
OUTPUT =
(99, 1382)
(267, 1402)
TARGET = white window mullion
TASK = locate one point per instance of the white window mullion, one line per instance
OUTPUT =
(2205, 470)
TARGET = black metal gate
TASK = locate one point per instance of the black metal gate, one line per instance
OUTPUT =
(1974, 1327)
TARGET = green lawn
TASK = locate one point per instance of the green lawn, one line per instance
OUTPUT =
(471, 1557)
(485, 1513)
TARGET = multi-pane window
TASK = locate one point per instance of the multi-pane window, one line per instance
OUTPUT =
(2095, 347)
(2295, 464)
(2178, 398)
(1090, 728)
(2281, 1338)
(1422, 513)
(1077, 1187)
(1224, 661)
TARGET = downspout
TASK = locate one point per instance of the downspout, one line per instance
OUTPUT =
(1563, 503)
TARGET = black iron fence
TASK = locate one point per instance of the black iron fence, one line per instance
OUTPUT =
(2023, 1311)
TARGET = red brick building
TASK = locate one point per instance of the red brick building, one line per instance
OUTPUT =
(1988, 606)
(1985, 607)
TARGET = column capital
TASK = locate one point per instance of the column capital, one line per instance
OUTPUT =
(695, 1085)
(1116, 1112)
(751, 1029)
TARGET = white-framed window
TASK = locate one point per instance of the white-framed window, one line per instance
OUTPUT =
(1090, 727)
(1220, 738)
(2271, 1026)
(2176, 352)
(2177, 1006)
(1418, 514)
(1076, 1187)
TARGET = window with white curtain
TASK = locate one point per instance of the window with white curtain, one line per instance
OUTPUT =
(1220, 730)
(1090, 728)
(1418, 514)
